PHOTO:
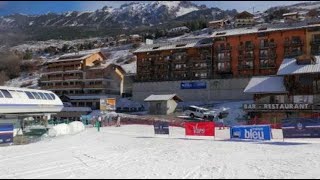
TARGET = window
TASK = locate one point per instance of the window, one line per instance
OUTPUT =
(6, 93)
(29, 95)
(1, 96)
(53, 96)
(48, 96)
(36, 95)
(42, 96)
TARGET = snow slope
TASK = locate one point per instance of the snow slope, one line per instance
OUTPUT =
(134, 152)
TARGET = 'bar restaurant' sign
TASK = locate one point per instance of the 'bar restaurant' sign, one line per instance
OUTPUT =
(277, 106)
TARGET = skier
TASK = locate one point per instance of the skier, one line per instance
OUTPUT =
(118, 121)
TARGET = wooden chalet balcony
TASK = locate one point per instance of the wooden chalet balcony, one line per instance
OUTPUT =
(245, 57)
(268, 56)
(269, 45)
(247, 48)
(100, 86)
(222, 49)
(71, 68)
(223, 59)
(245, 67)
(72, 77)
(52, 70)
(224, 70)
(315, 42)
(293, 43)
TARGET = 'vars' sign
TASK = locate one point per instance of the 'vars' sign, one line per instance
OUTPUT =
(199, 128)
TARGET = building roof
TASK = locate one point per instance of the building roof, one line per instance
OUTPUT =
(176, 45)
(163, 97)
(76, 57)
(270, 28)
(244, 15)
(290, 14)
(289, 66)
(217, 21)
(266, 84)
(90, 97)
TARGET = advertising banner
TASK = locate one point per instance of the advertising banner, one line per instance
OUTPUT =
(199, 128)
(108, 104)
(111, 104)
(193, 85)
(301, 128)
(256, 132)
(161, 127)
(6, 133)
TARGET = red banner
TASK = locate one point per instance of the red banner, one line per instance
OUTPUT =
(199, 128)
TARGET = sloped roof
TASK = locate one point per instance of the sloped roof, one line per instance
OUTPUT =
(176, 45)
(266, 84)
(163, 97)
(244, 15)
(290, 14)
(289, 66)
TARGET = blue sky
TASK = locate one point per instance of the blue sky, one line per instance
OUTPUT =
(42, 7)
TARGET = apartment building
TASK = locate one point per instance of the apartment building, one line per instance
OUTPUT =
(245, 52)
(188, 59)
(82, 74)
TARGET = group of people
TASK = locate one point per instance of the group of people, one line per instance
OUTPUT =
(109, 119)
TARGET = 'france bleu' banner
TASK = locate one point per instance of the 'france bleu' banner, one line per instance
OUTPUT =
(301, 128)
(161, 127)
(193, 85)
(6, 133)
(256, 132)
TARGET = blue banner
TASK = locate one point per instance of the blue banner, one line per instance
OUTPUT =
(256, 132)
(6, 133)
(301, 128)
(161, 127)
(193, 85)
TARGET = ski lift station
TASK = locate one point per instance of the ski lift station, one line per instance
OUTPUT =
(20, 104)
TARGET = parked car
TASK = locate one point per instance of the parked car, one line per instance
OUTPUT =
(195, 111)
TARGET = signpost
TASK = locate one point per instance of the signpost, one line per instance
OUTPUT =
(161, 127)
(277, 107)
(256, 132)
(193, 85)
(301, 128)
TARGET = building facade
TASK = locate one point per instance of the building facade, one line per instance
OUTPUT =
(244, 19)
(82, 75)
(292, 93)
(175, 61)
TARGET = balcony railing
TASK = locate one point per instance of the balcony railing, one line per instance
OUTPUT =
(222, 59)
(222, 49)
(245, 67)
(72, 77)
(247, 47)
(269, 45)
(292, 43)
(94, 86)
(315, 42)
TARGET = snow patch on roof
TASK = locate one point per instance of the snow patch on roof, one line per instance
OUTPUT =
(266, 84)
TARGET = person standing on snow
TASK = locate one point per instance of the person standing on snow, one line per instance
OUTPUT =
(118, 121)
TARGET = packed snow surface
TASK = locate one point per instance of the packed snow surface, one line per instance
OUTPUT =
(132, 151)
